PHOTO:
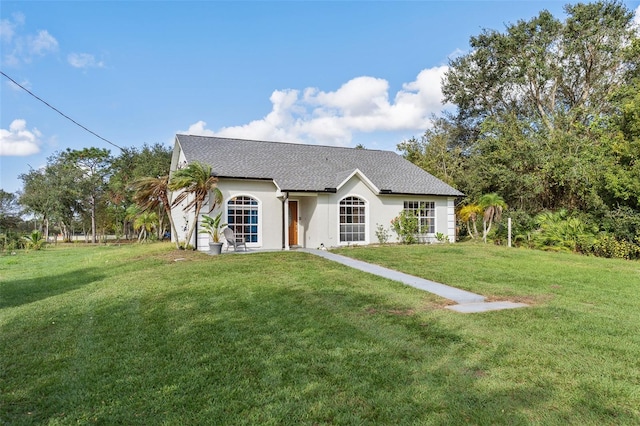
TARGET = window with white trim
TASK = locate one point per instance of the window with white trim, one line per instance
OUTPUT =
(242, 217)
(425, 211)
(352, 220)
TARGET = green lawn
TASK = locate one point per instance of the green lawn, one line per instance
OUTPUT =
(145, 334)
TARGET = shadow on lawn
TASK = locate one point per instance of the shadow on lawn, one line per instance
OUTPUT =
(315, 364)
(19, 292)
(296, 355)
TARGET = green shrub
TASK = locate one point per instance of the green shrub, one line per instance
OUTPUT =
(10, 241)
(34, 241)
(623, 223)
(382, 234)
(405, 225)
(559, 231)
(522, 227)
(609, 246)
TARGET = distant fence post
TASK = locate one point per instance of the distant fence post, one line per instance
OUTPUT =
(509, 232)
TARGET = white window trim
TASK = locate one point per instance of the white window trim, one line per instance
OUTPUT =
(435, 215)
(366, 221)
(226, 216)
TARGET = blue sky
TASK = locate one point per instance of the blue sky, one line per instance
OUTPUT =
(135, 72)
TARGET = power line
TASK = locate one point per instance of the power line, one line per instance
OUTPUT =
(59, 112)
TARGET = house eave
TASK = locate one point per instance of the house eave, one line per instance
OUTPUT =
(244, 178)
(420, 194)
(312, 191)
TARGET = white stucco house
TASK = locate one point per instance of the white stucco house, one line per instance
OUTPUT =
(281, 195)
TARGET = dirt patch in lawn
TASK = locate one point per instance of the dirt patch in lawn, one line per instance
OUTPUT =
(530, 300)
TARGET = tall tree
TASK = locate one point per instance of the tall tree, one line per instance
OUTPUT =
(9, 208)
(620, 137)
(196, 185)
(150, 161)
(551, 72)
(93, 166)
(120, 195)
(437, 151)
(10, 218)
(531, 95)
(52, 194)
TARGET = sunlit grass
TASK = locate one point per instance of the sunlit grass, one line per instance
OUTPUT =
(150, 335)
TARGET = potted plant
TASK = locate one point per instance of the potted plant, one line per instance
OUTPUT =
(212, 226)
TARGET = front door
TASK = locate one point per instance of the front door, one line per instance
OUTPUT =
(293, 223)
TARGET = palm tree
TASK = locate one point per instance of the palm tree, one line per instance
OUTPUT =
(469, 214)
(196, 183)
(152, 193)
(35, 240)
(145, 222)
(492, 204)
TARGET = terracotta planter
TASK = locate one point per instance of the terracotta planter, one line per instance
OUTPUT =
(215, 248)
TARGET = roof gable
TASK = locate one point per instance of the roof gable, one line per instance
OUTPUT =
(362, 178)
(313, 168)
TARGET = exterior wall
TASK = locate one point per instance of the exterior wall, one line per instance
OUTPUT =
(318, 213)
(269, 214)
(391, 206)
(180, 218)
(451, 217)
(321, 214)
(355, 187)
(269, 209)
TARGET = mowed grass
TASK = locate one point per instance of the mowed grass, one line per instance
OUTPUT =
(145, 334)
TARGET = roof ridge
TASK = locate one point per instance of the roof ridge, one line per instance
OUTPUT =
(286, 143)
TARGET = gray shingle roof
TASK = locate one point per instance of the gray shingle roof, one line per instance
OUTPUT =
(297, 167)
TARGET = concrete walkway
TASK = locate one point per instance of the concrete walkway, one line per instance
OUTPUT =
(467, 302)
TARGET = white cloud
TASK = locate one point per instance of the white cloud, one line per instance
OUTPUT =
(198, 129)
(41, 43)
(84, 60)
(360, 105)
(18, 140)
(636, 19)
(21, 48)
(8, 27)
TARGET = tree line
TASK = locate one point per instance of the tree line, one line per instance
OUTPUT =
(547, 118)
(88, 192)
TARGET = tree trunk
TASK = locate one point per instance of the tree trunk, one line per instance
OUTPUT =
(174, 233)
(93, 219)
(192, 228)
(486, 230)
(66, 232)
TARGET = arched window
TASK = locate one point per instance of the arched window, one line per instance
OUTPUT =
(242, 217)
(352, 220)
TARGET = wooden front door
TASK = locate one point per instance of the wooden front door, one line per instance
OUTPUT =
(293, 223)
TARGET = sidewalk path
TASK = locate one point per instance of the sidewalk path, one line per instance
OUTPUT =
(467, 302)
